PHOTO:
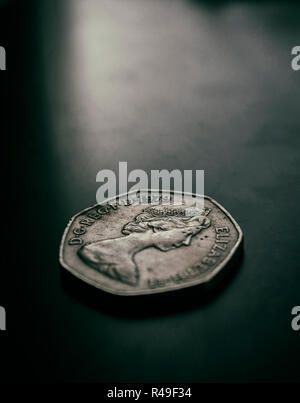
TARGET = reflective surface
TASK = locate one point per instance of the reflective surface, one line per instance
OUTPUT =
(160, 84)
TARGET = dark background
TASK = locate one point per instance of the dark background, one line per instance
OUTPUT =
(159, 84)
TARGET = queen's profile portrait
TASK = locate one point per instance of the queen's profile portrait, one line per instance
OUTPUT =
(161, 227)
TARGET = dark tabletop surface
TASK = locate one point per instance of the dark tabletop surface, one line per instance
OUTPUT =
(159, 84)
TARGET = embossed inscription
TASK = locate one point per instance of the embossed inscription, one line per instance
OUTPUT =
(180, 277)
(88, 220)
(222, 237)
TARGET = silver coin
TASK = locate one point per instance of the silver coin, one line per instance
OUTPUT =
(142, 245)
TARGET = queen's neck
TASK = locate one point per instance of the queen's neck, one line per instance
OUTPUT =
(131, 244)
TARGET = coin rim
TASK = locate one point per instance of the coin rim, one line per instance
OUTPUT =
(203, 280)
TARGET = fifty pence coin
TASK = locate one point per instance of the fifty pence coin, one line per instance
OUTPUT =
(141, 245)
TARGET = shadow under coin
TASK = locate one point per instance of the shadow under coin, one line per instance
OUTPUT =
(142, 306)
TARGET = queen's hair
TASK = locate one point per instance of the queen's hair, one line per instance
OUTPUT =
(163, 218)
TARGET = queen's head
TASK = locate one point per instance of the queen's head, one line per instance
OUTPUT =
(166, 227)
(161, 227)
